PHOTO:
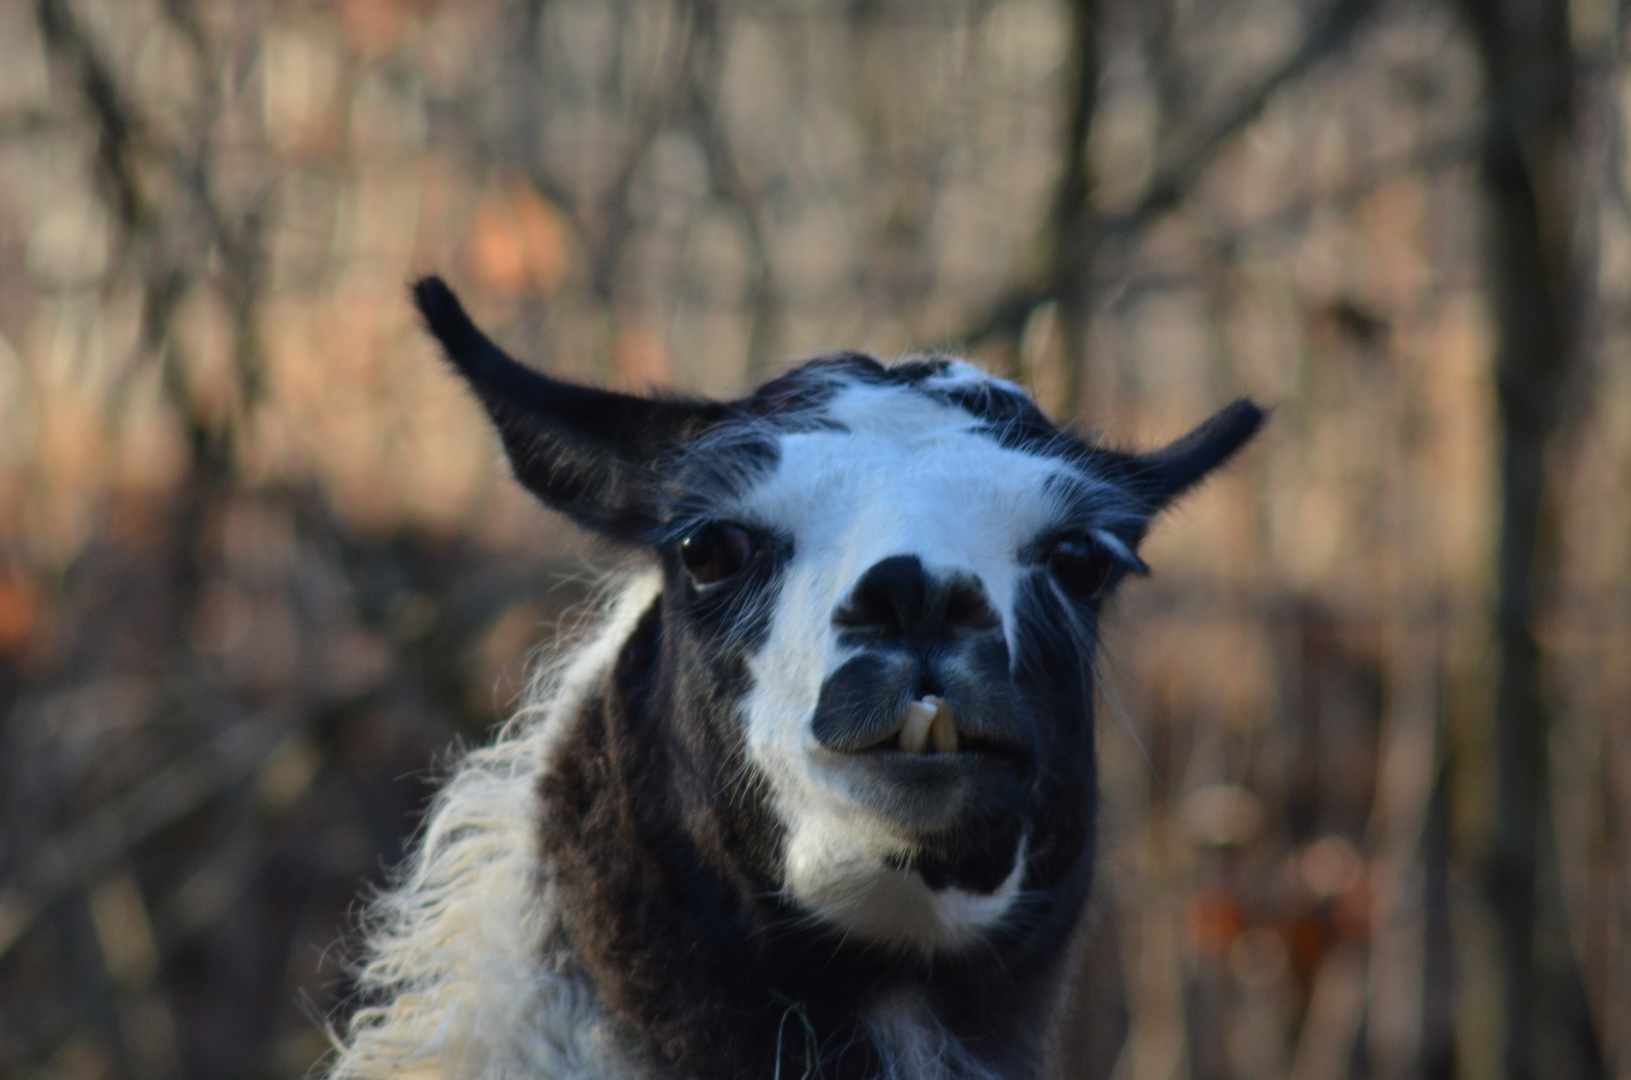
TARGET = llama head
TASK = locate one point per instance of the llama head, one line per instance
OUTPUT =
(881, 587)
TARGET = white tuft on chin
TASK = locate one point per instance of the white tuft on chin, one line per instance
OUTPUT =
(890, 906)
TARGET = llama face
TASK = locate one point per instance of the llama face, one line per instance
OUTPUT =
(873, 663)
(915, 569)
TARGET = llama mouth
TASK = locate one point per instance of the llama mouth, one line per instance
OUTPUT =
(960, 713)
(929, 728)
(932, 767)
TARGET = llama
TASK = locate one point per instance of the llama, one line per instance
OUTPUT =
(818, 798)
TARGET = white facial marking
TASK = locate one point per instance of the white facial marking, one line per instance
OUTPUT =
(908, 476)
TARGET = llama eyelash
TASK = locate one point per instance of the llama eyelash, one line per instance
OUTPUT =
(1118, 548)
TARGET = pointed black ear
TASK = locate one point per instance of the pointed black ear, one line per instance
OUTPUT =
(588, 453)
(1162, 475)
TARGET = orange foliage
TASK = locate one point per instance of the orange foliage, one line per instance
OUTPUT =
(18, 608)
(374, 27)
(518, 242)
(1215, 920)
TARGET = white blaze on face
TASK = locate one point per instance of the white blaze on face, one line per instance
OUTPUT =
(909, 476)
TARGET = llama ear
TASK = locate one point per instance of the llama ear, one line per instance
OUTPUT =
(585, 452)
(1163, 475)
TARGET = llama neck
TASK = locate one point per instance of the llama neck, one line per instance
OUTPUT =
(674, 923)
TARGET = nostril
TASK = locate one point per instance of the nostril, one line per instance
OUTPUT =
(966, 607)
(897, 597)
(888, 598)
(874, 610)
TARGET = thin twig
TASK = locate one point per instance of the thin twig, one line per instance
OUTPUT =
(117, 123)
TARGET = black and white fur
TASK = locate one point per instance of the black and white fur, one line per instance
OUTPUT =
(697, 851)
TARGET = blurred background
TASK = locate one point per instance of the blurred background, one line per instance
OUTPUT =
(1366, 734)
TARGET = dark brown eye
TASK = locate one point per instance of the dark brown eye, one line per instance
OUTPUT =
(716, 552)
(1080, 565)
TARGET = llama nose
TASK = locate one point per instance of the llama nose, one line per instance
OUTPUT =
(898, 598)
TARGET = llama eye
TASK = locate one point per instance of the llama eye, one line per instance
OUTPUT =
(1080, 565)
(716, 552)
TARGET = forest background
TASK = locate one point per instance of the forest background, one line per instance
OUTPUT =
(1366, 734)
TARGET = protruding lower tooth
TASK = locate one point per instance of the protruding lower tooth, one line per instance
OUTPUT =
(914, 731)
(943, 728)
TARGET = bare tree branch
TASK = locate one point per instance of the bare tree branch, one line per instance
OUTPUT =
(1510, 106)
(1174, 179)
(163, 798)
(117, 125)
(705, 75)
(1086, 231)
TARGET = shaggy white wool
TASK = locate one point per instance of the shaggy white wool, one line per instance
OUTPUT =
(460, 971)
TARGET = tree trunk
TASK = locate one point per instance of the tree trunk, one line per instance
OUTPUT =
(1536, 294)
